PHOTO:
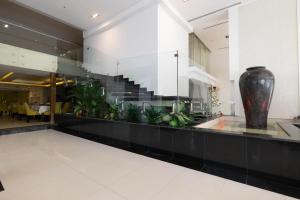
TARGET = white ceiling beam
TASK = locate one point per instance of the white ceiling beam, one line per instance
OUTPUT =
(134, 10)
(176, 15)
(120, 17)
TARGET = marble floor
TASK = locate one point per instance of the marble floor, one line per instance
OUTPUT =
(7, 122)
(50, 165)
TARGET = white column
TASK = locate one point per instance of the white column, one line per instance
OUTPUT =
(234, 57)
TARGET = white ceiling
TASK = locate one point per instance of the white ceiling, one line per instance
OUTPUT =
(78, 12)
(212, 29)
(215, 38)
(195, 8)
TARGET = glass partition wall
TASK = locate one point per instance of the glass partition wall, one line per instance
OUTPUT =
(27, 58)
(142, 89)
(148, 89)
(160, 88)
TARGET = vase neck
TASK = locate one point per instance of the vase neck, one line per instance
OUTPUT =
(255, 68)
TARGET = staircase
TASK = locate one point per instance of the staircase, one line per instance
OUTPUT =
(125, 90)
(118, 87)
(122, 89)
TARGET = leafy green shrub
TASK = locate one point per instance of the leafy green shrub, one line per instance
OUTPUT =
(177, 119)
(113, 112)
(133, 113)
(153, 115)
(88, 99)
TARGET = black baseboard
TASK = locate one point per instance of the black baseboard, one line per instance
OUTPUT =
(9, 131)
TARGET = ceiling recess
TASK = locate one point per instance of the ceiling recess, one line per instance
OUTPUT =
(214, 12)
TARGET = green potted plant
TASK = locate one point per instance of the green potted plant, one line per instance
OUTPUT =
(113, 112)
(177, 118)
(153, 115)
(88, 99)
(214, 100)
(133, 113)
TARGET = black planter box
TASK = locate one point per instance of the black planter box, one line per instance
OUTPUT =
(240, 157)
(150, 136)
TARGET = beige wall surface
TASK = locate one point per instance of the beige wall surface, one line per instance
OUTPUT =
(267, 36)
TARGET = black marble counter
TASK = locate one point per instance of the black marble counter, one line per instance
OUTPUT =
(292, 130)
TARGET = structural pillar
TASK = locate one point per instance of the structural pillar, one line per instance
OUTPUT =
(53, 97)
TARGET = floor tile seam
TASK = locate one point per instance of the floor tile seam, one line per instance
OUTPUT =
(48, 153)
(127, 174)
(112, 191)
(102, 186)
(163, 188)
(115, 192)
(17, 151)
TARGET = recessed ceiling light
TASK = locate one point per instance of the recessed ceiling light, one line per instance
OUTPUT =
(95, 15)
(185, 1)
(6, 26)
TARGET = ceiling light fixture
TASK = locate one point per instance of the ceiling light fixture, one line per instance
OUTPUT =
(184, 1)
(63, 82)
(6, 76)
(214, 12)
(95, 15)
(22, 84)
(6, 25)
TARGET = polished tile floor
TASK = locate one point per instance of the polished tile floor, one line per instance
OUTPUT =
(49, 165)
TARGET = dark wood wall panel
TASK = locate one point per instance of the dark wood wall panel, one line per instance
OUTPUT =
(17, 14)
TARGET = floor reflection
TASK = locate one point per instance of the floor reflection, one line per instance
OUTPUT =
(7, 122)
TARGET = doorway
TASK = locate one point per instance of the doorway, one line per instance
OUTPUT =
(24, 97)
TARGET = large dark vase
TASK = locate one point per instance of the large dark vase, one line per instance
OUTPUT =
(257, 86)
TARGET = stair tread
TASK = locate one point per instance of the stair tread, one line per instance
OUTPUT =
(127, 89)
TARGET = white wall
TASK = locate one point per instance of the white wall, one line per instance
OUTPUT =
(144, 45)
(133, 43)
(267, 36)
(219, 68)
(234, 64)
(172, 37)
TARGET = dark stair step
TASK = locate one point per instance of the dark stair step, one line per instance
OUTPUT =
(137, 98)
(120, 90)
(130, 94)
(124, 86)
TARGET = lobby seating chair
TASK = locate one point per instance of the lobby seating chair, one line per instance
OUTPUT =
(3, 109)
(30, 114)
(14, 110)
(66, 107)
(20, 110)
(58, 109)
